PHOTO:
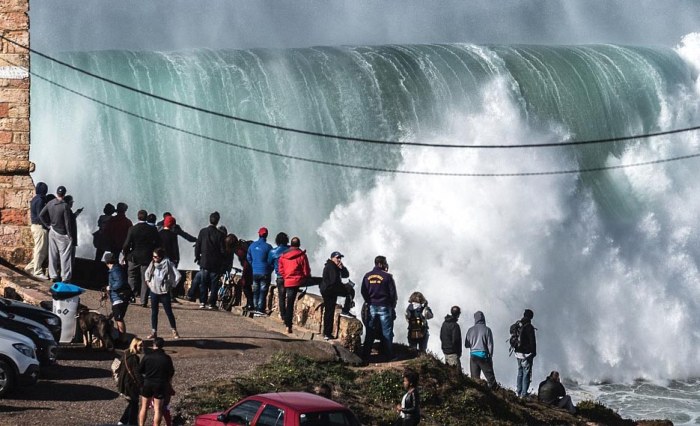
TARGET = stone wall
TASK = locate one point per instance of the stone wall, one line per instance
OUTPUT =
(16, 186)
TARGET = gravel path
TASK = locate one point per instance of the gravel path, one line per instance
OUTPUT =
(81, 391)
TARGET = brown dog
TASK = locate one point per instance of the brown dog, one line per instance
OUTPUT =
(95, 325)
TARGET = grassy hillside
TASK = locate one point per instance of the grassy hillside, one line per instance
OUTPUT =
(448, 396)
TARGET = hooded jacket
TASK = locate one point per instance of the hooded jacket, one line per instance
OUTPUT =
(162, 276)
(479, 337)
(38, 203)
(257, 256)
(451, 336)
(294, 267)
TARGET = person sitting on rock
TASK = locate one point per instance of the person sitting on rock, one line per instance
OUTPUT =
(552, 392)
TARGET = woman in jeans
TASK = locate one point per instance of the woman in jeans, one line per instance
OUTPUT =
(161, 276)
(129, 381)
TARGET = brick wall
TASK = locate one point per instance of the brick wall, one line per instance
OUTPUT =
(16, 186)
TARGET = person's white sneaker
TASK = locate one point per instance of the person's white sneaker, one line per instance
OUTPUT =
(41, 276)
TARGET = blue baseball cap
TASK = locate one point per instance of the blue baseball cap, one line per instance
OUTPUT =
(336, 254)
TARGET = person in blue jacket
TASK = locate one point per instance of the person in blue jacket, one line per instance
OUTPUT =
(282, 241)
(262, 270)
(119, 291)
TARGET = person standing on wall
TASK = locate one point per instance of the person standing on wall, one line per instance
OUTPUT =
(379, 292)
(40, 233)
(141, 240)
(451, 338)
(479, 341)
(282, 242)
(209, 254)
(525, 352)
(58, 216)
(294, 269)
(331, 287)
(262, 270)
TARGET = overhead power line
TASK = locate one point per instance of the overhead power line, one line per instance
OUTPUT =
(358, 167)
(342, 137)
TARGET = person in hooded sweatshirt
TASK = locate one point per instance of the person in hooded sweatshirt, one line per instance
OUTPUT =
(479, 341)
(40, 233)
(451, 338)
(294, 269)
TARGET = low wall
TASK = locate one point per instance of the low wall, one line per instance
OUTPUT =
(308, 316)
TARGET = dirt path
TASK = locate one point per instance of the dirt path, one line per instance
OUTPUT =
(81, 391)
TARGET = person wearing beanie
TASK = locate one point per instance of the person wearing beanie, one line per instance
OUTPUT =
(58, 217)
(40, 233)
(451, 338)
(258, 256)
(177, 229)
(525, 353)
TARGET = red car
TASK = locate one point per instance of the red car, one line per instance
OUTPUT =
(282, 409)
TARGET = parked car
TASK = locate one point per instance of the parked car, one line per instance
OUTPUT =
(18, 362)
(46, 347)
(282, 409)
(47, 318)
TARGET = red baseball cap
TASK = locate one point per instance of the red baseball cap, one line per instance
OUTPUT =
(262, 231)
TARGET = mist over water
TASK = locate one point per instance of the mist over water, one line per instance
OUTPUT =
(607, 260)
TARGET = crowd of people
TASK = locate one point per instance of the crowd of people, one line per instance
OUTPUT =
(143, 258)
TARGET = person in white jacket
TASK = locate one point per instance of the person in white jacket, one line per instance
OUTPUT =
(161, 275)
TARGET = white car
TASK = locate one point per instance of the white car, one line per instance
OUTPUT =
(18, 362)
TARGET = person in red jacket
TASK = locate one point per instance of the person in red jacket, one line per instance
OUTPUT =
(294, 269)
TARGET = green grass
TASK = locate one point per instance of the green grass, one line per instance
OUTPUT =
(447, 396)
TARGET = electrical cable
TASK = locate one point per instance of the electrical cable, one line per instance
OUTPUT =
(341, 137)
(358, 167)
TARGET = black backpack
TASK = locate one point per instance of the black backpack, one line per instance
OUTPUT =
(515, 335)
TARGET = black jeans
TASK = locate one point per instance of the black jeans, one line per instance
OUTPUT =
(131, 412)
(290, 298)
(477, 365)
(330, 299)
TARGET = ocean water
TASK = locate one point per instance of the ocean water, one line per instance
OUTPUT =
(606, 259)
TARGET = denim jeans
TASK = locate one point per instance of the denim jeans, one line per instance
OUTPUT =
(167, 307)
(524, 375)
(260, 285)
(381, 325)
(195, 286)
(210, 284)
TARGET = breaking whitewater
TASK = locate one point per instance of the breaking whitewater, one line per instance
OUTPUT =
(608, 260)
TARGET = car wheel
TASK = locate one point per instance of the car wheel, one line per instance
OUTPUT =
(7, 378)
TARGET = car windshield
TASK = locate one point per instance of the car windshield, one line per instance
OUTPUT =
(328, 418)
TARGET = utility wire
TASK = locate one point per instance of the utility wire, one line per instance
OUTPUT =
(358, 167)
(348, 138)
